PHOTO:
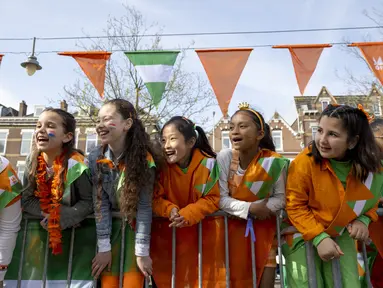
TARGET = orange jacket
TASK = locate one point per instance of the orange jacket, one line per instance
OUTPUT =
(314, 196)
(183, 190)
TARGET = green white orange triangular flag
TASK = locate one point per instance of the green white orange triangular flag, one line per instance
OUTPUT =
(155, 69)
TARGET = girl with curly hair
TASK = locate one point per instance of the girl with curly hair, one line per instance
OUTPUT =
(123, 173)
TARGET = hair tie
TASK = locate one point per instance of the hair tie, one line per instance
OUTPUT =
(370, 118)
(246, 106)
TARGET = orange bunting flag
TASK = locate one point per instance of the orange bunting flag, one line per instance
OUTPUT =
(93, 64)
(305, 59)
(373, 54)
(223, 68)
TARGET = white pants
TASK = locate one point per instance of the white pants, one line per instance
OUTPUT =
(10, 218)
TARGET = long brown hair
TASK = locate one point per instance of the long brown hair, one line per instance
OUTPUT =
(365, 155)
(137, 146)
(69, 124)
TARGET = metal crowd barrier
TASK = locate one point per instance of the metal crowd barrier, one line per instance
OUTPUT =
(310, 254)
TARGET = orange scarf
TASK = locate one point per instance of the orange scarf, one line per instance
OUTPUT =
(50, 199)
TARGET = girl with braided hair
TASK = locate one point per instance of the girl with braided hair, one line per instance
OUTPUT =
(188, 193)
(332, 193)
(123, 173)
(57, 187)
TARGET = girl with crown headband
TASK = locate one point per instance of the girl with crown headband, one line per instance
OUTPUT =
(252, 185)
(332, 195)
(188, 193)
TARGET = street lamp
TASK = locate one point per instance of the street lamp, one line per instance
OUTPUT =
(31, 65)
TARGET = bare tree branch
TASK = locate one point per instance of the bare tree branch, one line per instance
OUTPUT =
(186, 93)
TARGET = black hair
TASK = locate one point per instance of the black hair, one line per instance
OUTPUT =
(267, 140)
(189, 130)
(365, 154)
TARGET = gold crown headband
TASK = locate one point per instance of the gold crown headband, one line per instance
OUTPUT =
(246, 106)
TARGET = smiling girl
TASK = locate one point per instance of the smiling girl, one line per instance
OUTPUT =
(332, 193)
(123, 172)
(10, 214)
(252, 184)
(188, 193)
(57, 187)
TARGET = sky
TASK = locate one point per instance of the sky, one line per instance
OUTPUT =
(267, 82)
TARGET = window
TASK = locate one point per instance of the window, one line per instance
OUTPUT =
(3, 141)
(20, 170)
(376, 109)
(314, 131)
(91, 140)
(225, 140)
(277, 139)
(26, 142)
(324, 104)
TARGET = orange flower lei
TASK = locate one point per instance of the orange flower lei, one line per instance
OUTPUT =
(50, 199)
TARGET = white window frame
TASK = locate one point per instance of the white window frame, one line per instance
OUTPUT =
(325, 101)
(20, 164)
(277, 134)
(224, 136)
(90, 131)
(314, 130)
(379, 110)
(6, 131)
(21, 144)
(42, 107)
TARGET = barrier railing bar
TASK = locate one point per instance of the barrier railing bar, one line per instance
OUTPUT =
(174, 257)
(200, 254)
(227, 257)
(253, 267)
(280, 256)
(119, 215)
(45, 262)
(311, 269)
(336, 273)
(20, 274)
(366, 267)
(122, 254)
(70, 260)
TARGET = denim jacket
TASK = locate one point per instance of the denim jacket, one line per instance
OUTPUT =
(109, 203)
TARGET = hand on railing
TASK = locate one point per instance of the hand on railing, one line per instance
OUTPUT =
(260, 210)
(100, 262)
(358, 231)
(145, 265)
(328, 250)
(177, 220)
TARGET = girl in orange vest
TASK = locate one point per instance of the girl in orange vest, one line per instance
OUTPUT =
(10, 214)
(332, 195)
(252, 184)
(189, 192)
(123, 172)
